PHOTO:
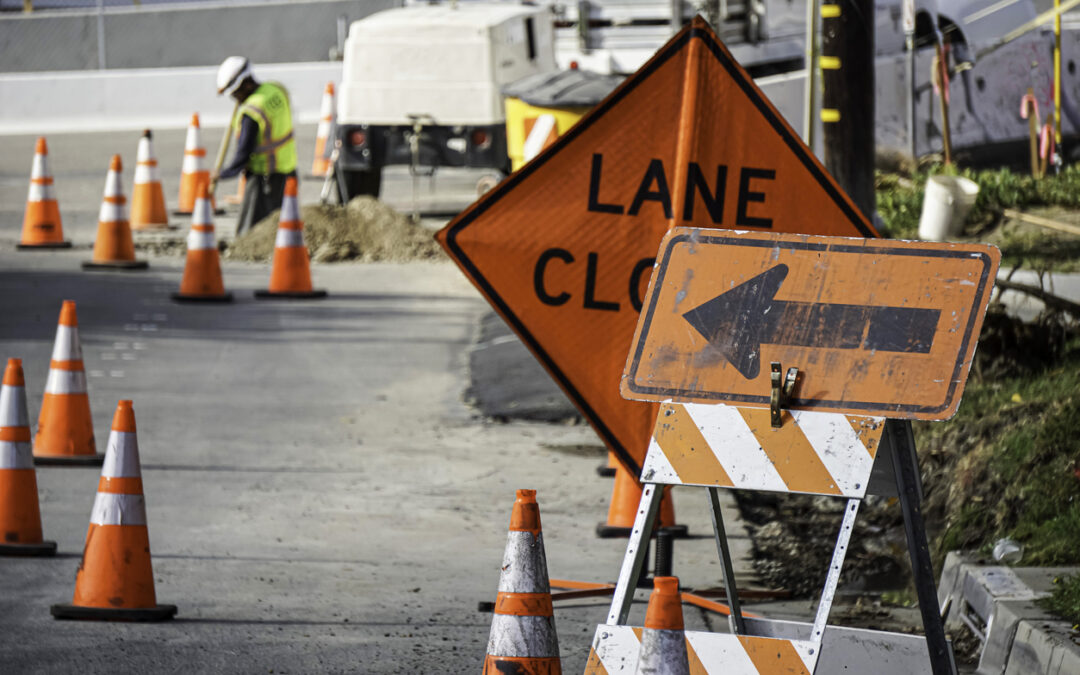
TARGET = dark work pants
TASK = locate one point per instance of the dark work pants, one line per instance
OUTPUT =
(262, 196)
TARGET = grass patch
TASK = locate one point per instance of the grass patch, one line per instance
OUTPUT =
(1065, 599)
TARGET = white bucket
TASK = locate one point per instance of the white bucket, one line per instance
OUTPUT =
(946, 204)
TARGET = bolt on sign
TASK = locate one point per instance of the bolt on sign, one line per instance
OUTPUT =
(563, 248)
(875, 327)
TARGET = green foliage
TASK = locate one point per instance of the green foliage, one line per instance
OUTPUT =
(1065, 599)
(899, 199)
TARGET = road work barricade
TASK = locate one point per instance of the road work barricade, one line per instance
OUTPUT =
(523, 638)
(20, 517)
(41, 222)
(65, 433)
(114, 248)
(115, 580)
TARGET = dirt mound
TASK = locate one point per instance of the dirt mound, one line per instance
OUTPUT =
(365, 230)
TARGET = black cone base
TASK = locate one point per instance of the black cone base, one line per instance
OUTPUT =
(179, 297)
(605, 531)
(116, 265)
(158, 613)
(31, 247)
(41, 548)
(291, 295)
(69, 460)
(217, 212)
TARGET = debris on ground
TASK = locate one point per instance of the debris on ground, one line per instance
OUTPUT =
(364, 230)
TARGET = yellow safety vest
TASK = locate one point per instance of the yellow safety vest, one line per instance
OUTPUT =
(275, 152)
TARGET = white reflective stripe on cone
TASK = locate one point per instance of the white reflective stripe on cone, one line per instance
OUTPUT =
(287, 238)
(145, 153)
(65, 382)
(201, 214)
(324, 129)
(16, 455)
(523, 636)
(67, 347)
(114, 509)
(524, 568)
(326, 107)
(192, 141)
(192, 164)
(198, 240)
(145, 173)
(40, 168)
(112, 213)
(663, 651)
(290, 211)
(113, 187)
(40, 192)
(121, 456)
(12, 407)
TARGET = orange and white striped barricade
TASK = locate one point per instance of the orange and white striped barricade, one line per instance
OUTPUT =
(290, 272)
(65, 433)
(114, 248)
(20, 516)
(147, 196)
(523, 637)
(41, 222)
(324, 135)
(194, 176)
(115, 581)
(202, 280)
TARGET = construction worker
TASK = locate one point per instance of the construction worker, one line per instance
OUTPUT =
(265, 149)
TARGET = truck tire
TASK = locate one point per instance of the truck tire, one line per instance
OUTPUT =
(359, 182)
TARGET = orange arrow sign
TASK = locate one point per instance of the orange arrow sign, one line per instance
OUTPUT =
(875, 327)
(563, 248)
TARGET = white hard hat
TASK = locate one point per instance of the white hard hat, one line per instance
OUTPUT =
(231, 73)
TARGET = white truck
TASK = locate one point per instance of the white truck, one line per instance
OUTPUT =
(421, 87)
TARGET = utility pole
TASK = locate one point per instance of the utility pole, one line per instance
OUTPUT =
(847, 110)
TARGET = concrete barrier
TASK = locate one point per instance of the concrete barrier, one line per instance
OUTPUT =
(157, 98)
(275, 31)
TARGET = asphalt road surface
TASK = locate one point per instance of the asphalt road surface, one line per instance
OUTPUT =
(319, 496)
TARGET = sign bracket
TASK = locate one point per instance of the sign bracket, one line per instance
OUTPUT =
(782, 388)
(738, 624)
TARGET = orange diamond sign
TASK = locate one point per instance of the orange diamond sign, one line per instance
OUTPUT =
(563, 249)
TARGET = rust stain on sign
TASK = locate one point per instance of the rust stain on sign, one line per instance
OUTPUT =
(875, 327)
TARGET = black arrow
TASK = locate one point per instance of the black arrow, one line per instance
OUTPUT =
(737, 322)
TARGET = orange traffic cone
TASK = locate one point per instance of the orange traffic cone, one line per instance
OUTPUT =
(607, 469)
(625, 498)
(65, 432)
(523, 638)
(147, 197)
(115, 581)
(114, 248)
(327, 118)
(194, 175)
(41, 222)
(290, 275)
(202, 280)
(20, 518)
(663, 642)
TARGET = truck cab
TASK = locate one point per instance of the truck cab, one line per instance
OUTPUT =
(422, 87)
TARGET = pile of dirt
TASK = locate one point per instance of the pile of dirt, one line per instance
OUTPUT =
(364, 230)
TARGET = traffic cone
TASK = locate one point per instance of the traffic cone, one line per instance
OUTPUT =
(20, 518)
(290, 275)
(147, 197)
(663, 642)
(327, 117)
(115, 581)
(65, 433)
(523, 638)
(625, 498)
(202, 280)
(607, 469)
(41, 222)
(194, 175)
(114, 248)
